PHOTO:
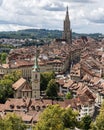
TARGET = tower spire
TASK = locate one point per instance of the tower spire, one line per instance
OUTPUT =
(36, 66)
(67, 9)
(36, 77)
(67, 15)
(67, 31)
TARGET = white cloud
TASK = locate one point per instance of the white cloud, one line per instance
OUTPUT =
(12, 27)
(97, 16)
(85, 15)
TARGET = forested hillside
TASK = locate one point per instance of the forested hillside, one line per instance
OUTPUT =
(42, 34)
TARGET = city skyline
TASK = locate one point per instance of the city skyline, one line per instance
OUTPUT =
(86, 16)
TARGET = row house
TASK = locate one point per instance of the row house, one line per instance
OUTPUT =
(83, 104)
(29, 109)
(24, 66)
(22, 59)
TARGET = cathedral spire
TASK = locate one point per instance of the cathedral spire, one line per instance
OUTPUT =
(67, 14)
(67, 11)
(67, 33)
(67, 8)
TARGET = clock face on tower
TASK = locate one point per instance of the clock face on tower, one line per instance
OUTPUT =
(36, 80)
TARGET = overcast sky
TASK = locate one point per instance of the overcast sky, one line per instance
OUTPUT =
(86, 16)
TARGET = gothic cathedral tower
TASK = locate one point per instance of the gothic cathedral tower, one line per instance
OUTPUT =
(36, 78)
(67, 33)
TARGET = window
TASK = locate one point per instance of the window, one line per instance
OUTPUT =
(36, 76)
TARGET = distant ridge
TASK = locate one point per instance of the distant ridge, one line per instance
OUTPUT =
(42, 34)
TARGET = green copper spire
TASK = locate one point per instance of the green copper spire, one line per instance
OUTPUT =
(36, 66)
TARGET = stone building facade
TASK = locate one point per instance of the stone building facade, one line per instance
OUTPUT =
(67, 33)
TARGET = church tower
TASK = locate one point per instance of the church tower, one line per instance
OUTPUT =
(36, 78)
(67, 33)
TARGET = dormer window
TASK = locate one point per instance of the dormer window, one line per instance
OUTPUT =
(33, 107)
(23, 106)
(18, 107)
(12, 106)
(43, 106)
(38, 108)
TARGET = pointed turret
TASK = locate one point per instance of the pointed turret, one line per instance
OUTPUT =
(36, 66)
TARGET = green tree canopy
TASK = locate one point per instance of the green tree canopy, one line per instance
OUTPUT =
(45, 78)
(14, 76)
(52, 89)
(3, 57)
(6, 90)
(56, 118)
(69, 118)
(86, 122)
(99, 122)
(68, 95)
(12, 122)
(51, 119)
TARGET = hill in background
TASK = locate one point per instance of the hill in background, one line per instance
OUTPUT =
(42, 34)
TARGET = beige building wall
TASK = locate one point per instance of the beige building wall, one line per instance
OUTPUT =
(26, 70)
(35, 84)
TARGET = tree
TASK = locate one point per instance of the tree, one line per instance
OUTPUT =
(69, 118)
(6, 90)
(86, 122)
(12, 122)
(14, 76)
(68, 95)
(56, 118)
(52, 89)
(43, 82)
(3, 57)
(99, 122)
(45, 78)
(51, 119)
